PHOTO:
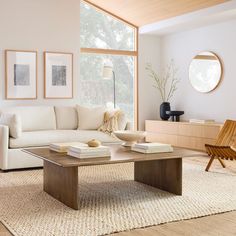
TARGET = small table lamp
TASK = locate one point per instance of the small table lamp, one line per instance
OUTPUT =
(108, 73)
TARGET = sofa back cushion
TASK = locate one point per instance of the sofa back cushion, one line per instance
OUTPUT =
(90, 118)
(34, 118)
(66, 117)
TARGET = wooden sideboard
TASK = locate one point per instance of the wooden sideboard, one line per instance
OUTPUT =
(182, 134)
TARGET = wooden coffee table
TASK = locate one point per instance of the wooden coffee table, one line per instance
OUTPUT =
(162, 170)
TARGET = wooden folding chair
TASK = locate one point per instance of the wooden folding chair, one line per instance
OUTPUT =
(225, 143)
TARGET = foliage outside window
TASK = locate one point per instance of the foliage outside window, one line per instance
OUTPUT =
(99, 30)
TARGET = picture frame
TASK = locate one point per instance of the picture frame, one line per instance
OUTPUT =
(21, 79)
(58, 75)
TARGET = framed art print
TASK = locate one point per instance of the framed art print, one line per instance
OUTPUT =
(21, 74)
(58, 75)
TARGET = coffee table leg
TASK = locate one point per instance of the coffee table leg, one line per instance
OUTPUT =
(61, 183)
(163, 174)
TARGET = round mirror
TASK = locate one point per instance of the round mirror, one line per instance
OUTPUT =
(205, 72)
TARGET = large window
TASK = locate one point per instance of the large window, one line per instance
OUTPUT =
(106, 40)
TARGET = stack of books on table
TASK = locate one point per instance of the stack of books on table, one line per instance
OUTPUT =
(64, 147)
(84, 152)
(152, 147)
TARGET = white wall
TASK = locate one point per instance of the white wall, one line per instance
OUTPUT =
(53, 25)
(43, 25)
(149, 100)
(182, 47)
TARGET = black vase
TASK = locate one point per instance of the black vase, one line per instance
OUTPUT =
(165, 106)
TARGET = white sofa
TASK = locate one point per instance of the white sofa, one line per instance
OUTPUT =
(40, 127)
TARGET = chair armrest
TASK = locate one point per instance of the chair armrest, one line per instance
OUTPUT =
(4, 141)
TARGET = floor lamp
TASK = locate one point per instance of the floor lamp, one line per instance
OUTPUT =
(108, 73)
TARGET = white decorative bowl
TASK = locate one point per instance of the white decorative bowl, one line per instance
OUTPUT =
(130, 137)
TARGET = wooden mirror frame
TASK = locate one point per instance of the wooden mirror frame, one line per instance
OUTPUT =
(221, 67)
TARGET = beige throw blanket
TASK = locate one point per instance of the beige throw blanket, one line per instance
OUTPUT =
(110, 122)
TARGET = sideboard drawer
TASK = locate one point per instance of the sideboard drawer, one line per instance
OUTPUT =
(193, 142)
(161, 127)
(201, 131)
(182, 134)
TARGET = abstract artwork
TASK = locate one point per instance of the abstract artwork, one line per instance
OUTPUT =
(58, 75)
(21, 74)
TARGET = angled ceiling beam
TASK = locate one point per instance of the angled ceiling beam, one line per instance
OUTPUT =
(110, 13)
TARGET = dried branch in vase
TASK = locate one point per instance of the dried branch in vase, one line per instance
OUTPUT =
(166, 84)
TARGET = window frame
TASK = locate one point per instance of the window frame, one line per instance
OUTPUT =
(133, 53)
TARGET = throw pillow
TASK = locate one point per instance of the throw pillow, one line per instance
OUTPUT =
(90, 118)
(13, 121)
(66, 117)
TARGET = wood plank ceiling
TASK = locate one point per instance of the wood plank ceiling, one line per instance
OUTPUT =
(142, 12)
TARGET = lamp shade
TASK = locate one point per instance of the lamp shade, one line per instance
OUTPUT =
(107, 72)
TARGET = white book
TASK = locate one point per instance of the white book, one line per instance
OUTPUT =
(58, 150)
(63, 147)
(105, 153)
(170, 149)
(80, 149)
(87, 156)
(201, 121)
(152, 146)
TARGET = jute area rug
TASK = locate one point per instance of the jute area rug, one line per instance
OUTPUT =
(110, 201)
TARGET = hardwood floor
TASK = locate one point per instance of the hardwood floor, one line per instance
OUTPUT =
(217, 225)
(4, 231)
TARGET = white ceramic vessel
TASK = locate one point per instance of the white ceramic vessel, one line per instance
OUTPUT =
(130, 137)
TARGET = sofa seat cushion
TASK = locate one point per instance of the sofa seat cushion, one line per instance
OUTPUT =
(44, 138)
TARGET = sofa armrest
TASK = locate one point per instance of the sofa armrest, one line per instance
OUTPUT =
(4, 141)
(129, 126)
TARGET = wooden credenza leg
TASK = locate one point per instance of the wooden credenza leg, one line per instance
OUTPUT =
(61, 183)
(163, 174)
